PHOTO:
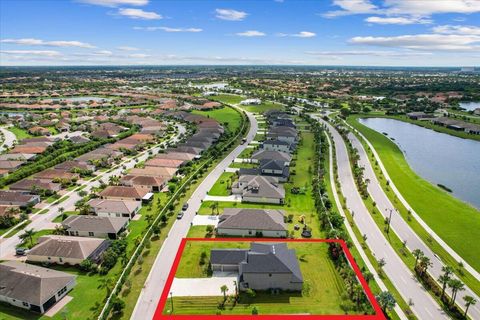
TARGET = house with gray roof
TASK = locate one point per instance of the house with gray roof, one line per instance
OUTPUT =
(32, 287)
(67, 250)
(262, 154)
(115, 208)
(278, 145)
(252, 222)
(94, 226)
(262, 189)
(264, 266)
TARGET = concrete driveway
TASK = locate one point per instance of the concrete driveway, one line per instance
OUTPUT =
(231, 198)
(201, 287)
(202, 220)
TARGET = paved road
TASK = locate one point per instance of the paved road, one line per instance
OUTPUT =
(419, 219)
(43, 221)
(401, 227)
(9, 139)
(409, 288)
(154, 285)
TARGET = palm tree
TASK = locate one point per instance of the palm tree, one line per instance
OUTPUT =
(445, 278)
(12, 211)
(368, 276)
(114, 180)
(149, 218)
(456, 285)
(224, 290)
(469, 301)
(106, 283)
(425, 263)
(417, 253)
(386, 301)
(28, 234)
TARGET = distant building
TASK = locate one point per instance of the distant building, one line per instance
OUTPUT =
(251, 102)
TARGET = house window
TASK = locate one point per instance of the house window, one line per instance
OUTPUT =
(249, 231)
(269, 274)
(25, 304)
(90, 234)
(62, 291)
(61, 260)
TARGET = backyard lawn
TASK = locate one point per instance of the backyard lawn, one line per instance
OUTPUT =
(223, 185)
(264, 106)
(20, 133)
(226, 115)
(322, 290)
(456, 222)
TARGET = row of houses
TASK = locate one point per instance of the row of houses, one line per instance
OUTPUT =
(263, 183)
(454, 124)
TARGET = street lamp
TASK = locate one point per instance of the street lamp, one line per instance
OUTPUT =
(171, 300)
(389, 220)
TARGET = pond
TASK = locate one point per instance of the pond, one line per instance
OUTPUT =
(437, 157)
(469, 106)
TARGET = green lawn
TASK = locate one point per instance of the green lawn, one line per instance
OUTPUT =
(228, 98)
(20, 133)
(247, 153)
(243, 165)
(29, 244)
(223, 185)
(322, 293)
(66, 213)
(264, 106)
(453, 220)
(226, 115)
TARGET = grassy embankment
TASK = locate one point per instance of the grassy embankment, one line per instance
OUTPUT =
(455, 221)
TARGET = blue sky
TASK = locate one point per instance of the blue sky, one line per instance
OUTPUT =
(326, 32)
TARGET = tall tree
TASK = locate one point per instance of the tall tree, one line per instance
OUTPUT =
(456, 285)
(469, 301)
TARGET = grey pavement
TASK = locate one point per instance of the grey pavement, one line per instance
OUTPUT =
(155, 283)
(9, 139)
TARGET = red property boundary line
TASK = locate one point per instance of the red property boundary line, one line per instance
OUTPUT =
(164, 297)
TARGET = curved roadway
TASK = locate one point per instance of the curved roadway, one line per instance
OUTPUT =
(401, 227)
(154, 285)
(401, 277)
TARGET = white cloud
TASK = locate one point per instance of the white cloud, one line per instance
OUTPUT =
(398, 20)
(138, 55)
(139, 14)
(38, 42)
(230, 14)
(251, 33)
(168, 29)
(44, 53)
(427, 8)
(301, 34)
(127, 48)
(423, 42)
(114, 3)
(304, 34)
(396, 54)
(351, 7)
(415, 8)
(448, 29)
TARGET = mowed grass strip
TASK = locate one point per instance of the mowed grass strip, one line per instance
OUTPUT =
(455, 221)
(322, 293)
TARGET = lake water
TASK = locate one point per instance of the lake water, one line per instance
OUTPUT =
(470, 105)
(436, 157)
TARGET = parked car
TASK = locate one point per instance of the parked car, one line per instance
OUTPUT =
(185, 206)
(180, 215)
(21, 251)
